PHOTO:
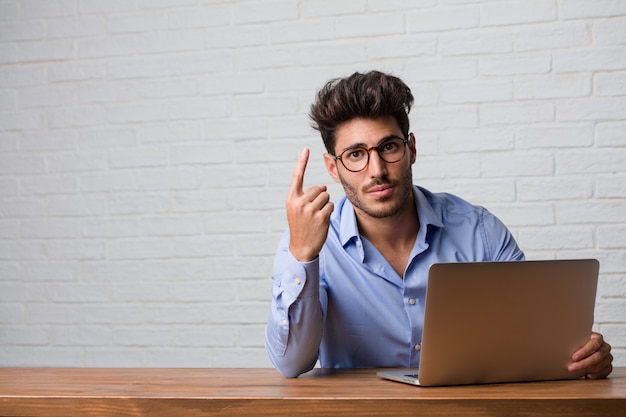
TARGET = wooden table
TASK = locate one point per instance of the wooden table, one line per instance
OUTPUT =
(89, 392)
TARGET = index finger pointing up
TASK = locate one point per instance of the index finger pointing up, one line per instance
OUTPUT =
(297, 179)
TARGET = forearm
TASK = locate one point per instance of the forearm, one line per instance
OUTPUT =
(294, 350)
(294, 329)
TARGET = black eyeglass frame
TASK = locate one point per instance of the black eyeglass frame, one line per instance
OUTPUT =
(369, 150)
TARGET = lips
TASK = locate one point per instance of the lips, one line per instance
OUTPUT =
(379, 191)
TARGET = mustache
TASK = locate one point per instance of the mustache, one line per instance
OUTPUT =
(377, 183)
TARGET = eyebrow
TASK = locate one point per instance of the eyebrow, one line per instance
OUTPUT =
(364, 145)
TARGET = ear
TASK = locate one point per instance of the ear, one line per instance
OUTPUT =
(331, 167)
(412, 148)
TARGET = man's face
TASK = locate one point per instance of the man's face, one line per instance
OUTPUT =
(382, 189)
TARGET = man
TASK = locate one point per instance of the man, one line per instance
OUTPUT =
(350, 277)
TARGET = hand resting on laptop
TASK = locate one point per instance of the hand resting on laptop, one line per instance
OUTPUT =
(595, 357)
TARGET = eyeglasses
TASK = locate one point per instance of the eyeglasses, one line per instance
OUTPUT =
(358, 158)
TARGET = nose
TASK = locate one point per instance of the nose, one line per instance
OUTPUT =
(376, 167)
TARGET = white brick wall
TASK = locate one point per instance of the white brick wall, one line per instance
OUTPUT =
(146, 148)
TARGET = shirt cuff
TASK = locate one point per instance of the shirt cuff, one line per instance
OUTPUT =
(301, 279)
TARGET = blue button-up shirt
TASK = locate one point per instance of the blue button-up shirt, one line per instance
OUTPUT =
(350, 309)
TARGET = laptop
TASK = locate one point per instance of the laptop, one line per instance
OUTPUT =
(494, 322)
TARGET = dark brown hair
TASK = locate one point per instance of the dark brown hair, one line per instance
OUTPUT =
(369, 96)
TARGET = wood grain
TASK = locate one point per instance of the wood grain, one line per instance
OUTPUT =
(263, 392)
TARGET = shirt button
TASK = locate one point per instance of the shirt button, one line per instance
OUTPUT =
(284, 322)
(298, 281)
(418, 347)
(358, 243)
(412, 301)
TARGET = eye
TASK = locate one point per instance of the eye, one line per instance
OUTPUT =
(390, 146)
(355, 154)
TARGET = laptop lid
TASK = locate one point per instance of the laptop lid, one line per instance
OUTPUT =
(490, 322)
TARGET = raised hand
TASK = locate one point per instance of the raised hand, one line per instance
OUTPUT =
(308, 214)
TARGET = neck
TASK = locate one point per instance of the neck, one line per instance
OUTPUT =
(397, 231)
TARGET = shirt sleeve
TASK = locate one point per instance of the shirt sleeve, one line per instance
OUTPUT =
(294, 329)
(498, 238)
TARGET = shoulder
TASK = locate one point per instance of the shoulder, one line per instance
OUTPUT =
(448, 204)
(477, 225)
(455, 213)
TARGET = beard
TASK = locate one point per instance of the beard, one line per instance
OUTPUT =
(384, 207)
